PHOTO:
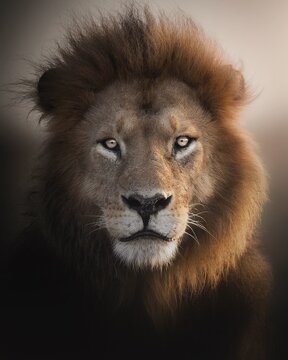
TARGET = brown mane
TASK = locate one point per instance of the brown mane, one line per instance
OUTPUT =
(136, 45)
(126, 47)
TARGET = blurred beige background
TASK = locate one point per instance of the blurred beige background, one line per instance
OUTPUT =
(254, 35)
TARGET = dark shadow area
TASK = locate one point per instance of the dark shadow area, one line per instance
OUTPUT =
(274, 230)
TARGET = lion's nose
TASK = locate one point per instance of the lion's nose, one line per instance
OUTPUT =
(147, 206)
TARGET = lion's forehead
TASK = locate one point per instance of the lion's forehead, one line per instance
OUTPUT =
(164, 108)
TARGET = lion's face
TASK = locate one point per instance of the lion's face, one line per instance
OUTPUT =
(144, 167)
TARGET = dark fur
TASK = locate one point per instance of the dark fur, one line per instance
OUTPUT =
(209, 318)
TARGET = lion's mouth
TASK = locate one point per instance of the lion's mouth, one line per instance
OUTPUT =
(145, 234)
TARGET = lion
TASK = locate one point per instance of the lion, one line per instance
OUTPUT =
(150, 192)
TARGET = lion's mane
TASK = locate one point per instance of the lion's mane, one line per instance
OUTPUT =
(139, 46)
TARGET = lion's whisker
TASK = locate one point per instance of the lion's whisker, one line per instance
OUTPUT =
(94, 222)
(96, 229)
(201, 226)
(196, 240)
(195, 215)
(196, 204)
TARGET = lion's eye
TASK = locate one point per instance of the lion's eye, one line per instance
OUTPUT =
(109, 148)
(182, 141)
(110, 144)
(183, 146)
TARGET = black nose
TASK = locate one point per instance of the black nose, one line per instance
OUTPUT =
(147, 206)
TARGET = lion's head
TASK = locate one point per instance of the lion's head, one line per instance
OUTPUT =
(144, 157)
(145, 167)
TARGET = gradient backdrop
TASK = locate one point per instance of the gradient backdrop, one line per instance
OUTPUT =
(254, 34)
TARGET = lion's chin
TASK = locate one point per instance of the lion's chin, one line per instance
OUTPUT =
(146, 252)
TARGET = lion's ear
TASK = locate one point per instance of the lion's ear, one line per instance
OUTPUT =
(231, 93)
(238, 83)
(224, 93)
(235, 83)
(48, 90)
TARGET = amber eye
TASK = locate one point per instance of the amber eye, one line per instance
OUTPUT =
(183, 146)
(110, 144)
(182, 141)
(109, 148)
